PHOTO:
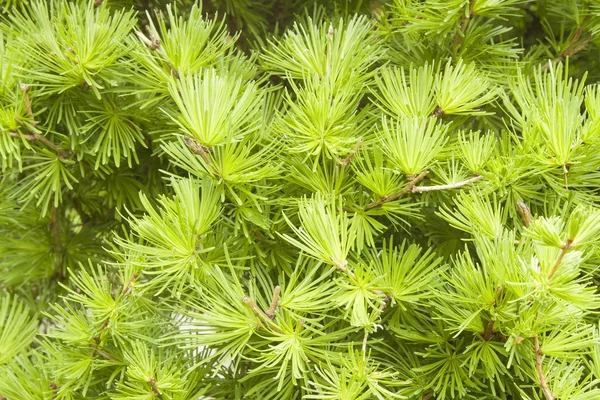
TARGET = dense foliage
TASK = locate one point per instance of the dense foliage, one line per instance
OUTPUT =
(285, 199)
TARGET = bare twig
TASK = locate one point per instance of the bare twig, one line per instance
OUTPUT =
(387, 299)
(128, 284)
(457, 185)
(33, 136)
(350, 156)
(343, 266)
(274, 302)
(197, 148)
(153, 43)
(259, 313)
(364, 344)
(438, 112)
(572, 48)
(538, 365)
(565, 248)
(406, 189)
(489, 331)
(55, 226)
(25, 89)
(524, 212)
(464, 23)
(152, 383)
(98, 338)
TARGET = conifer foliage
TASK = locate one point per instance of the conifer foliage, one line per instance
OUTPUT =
(299, 199)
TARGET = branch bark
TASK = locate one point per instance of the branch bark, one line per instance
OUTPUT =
(55, 226)
(464, 23)
(350, 156)
(406, 189)
(540, 371)
(450, 186)
(412, 188)
(33, 136)
(274, 302)
(197, 148)
(259, 313)
(565, 249)
(572, 48)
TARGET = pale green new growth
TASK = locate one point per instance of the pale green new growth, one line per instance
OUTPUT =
(299, 199)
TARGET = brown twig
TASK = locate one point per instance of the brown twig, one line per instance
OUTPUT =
(538, 365)
(55, 226)
(33, 136)
(450, 186)
(25, 89)
(352, 153)
(572, 48)
(197, 148)
(274, 302)
(464, 23)
(152, 383)
(438, 112)
(128, 284)
(524, 212)
(489, 331)
(258, 312)
(153, 43)
(364, 344)
(388, 299)
(564, 249)
(98, 338)
(343, 266)
(406, 189)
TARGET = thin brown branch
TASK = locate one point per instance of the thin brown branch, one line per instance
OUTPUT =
(33, 136)
(524, 212)
(564, 250)
(343, 266)
(387, 299)
(572, 48)
(274, 302)
(55, 226)
(153, 43)
(464, 23)
(489, 331)
(197, 148)
(406, 189)
(98, 338)
(352, 153)
(25, 89)
(152, 383)
(258, 312)
(538, 365)
(364, 344)
(450, 186)
(106, 355)
(128, 284)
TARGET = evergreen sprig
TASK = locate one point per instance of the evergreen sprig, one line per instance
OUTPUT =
(299, 199)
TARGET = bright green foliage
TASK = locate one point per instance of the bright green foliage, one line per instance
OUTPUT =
(299, 199)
